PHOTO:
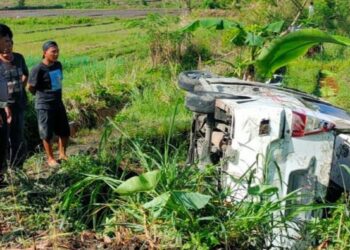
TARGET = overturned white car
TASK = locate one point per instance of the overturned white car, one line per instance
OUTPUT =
(291, 139)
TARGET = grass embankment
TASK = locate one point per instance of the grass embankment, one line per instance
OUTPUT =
(106, 67)
(107, 64)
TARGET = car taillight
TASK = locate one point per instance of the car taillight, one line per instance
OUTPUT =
(303, 124)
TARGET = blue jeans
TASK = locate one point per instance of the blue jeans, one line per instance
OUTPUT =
(18, 147)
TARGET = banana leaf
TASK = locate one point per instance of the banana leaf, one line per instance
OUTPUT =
(289, 47)
(212, 23)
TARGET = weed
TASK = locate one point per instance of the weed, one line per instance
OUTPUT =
(178, 206)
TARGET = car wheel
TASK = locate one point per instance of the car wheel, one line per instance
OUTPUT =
(189, 79)
(204, 104)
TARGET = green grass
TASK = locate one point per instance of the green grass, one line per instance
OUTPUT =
(88, 54)
(150, 108)
(181, 208)
(303, 74)
(100, 63)
(107, 64)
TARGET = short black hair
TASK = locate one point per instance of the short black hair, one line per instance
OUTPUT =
(49, 44)
(5, 31)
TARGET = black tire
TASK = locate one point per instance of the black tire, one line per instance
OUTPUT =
(204, 101)
(204, 104)
(189, 79)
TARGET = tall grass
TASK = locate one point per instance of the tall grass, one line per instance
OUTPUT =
(181, 207)
(150, 110)
(304, 74)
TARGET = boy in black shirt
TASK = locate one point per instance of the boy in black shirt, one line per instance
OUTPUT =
(13, 67)
(46, 82)
(5, 113)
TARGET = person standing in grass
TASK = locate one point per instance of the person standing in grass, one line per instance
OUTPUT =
(45, 81)
(14, 69)
(5, 112)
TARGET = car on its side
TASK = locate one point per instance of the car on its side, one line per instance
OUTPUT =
(290, 139)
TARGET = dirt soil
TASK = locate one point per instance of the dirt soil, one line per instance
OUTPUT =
(84, 13)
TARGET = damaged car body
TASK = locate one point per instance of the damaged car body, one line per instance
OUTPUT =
(290, 139)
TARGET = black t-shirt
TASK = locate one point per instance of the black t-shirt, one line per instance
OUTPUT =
(47, 81)
(3, 90)
(13, 73)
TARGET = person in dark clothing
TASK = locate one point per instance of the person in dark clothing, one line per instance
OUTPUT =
(13, 67)
(45, 81)
(5, 113)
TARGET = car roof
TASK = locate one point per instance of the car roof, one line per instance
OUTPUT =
(268, 95)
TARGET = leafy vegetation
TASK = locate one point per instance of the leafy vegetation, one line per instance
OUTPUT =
(170, 204)
(135, 188)
(291, 46)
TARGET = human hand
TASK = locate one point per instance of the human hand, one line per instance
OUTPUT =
(8, 115)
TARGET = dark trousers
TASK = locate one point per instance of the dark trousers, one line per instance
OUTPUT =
(18, 147)
(3, 141)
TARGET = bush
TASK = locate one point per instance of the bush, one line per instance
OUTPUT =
(332, 15)
(193, 56)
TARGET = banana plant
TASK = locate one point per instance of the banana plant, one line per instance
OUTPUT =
(291, 46)
(253, 36)
(280, 52)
